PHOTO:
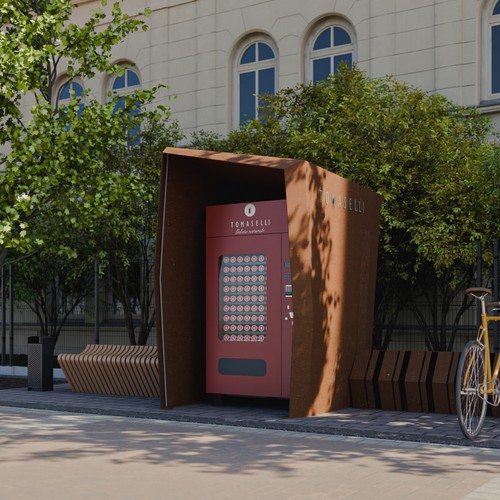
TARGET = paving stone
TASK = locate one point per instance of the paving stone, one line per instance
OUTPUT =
(403, 426)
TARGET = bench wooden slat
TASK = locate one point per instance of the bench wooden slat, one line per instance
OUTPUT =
(113, 369)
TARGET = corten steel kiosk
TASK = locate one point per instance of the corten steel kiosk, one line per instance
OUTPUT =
(333, 228)
(249, 309)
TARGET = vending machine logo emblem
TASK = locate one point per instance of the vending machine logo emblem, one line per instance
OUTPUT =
(250, 210)
(249, 224)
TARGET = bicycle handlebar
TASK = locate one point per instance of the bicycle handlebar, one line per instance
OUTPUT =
(492, 305)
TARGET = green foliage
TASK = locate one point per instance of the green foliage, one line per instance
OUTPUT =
(139, 164)
(430, 160)
(56, 188)
(61, 198)
(207, 140)
(491, 192)
(421, 152)
(52, 287)
(141, 159)
(37, 35)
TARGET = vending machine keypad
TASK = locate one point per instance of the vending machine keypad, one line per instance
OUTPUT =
(243, 298)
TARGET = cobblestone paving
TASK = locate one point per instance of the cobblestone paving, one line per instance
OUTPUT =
(406, 426)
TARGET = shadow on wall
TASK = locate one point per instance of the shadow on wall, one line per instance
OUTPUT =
(334, 258)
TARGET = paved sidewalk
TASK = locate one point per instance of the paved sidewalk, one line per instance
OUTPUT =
(262, 414)
(56, 455)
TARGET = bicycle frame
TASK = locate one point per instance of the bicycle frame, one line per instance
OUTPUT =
(484, 338)
(475, 386)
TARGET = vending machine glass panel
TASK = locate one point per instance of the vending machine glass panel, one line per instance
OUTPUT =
(243, 298)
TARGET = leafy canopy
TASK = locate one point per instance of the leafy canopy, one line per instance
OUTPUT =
(422, 153)
(142, 159)
(55, 185)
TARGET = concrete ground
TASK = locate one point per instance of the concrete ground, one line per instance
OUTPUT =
(62, 445)
(60, 455)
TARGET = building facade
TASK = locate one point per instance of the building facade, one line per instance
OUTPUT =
(216, 55)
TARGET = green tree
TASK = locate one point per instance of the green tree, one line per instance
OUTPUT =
(491, 191)
(58, 189)
(54, 159)
(422, 153)
(52, 288)
(131, 258)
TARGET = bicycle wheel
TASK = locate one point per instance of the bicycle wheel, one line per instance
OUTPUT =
(471, 404)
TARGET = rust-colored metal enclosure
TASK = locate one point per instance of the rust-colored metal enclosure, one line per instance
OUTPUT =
(333, 228)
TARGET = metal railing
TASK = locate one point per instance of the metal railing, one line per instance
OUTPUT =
(18, 322)
(408, 334)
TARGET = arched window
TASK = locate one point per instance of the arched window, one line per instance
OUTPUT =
(255, 77)
(64, 95)
(493, 61)
(124, 85)
(331, 44)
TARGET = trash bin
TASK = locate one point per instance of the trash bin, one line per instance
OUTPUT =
(40, 363)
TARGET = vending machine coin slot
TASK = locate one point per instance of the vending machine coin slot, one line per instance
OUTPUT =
(287, 276)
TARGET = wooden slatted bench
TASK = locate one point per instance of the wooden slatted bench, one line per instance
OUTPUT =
(126, 370)
(406, 380)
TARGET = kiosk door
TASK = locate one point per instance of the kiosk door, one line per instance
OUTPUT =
(244, 315)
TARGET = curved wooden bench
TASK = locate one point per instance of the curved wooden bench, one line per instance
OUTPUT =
(126, 370)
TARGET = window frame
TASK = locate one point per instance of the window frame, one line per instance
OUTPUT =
(488, 22)
(310, 55)
(126, 90)
(64, 82)
(252, 67)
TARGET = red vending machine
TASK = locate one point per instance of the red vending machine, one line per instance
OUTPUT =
(249, 313)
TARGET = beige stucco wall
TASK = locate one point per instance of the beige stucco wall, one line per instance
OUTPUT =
(433, 44)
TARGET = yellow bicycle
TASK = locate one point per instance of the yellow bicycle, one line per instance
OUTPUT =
(475, 382)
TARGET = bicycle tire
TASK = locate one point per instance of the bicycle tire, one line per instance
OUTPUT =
(471, 405)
